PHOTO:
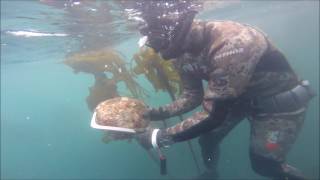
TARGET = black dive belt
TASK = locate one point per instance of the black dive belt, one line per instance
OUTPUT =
(287, 101)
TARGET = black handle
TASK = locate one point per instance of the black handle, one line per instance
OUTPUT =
(163, 165)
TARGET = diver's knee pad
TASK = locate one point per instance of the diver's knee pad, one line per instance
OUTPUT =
(291, 173)
(274, 169)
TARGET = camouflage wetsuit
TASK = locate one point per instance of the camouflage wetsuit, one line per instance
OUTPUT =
(240, 64)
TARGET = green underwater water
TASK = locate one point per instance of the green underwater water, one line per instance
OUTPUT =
(45, 132)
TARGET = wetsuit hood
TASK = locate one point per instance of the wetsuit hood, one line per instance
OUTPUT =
(166, 25)
(175, 46)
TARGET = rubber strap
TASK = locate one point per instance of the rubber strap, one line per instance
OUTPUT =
(154, 138)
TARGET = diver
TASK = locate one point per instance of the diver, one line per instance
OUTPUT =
(247, 78)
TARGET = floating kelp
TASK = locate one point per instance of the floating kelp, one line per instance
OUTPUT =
(102, 60)
(103, 89)
(127, 77)
(161, 74)
(105, 61)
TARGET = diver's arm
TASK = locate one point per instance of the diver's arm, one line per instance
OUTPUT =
(200, 122)
(211, 117)
(190, 98)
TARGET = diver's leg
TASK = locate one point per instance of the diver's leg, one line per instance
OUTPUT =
(271, 138)
(210, 141)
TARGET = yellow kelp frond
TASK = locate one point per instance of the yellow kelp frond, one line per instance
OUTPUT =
(161, 74)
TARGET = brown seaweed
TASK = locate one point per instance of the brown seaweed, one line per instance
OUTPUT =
(103, 89)
(160, 73)
(105, 60)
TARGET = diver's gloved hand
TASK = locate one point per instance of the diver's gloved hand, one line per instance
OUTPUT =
(154, 114)
(153, 138)
(144, 138)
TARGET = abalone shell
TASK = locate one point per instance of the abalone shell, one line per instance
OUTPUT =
(122, 112)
